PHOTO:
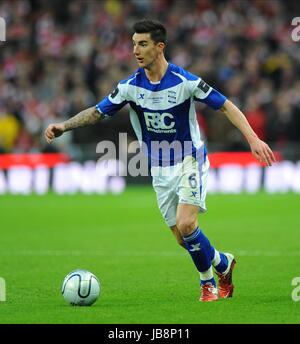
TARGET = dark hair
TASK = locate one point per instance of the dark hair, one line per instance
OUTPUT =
(157, 31)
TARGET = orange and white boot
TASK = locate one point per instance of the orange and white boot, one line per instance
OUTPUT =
(226, 286)
(208, 293)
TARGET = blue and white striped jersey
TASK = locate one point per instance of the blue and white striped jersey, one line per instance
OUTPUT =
(164, 110)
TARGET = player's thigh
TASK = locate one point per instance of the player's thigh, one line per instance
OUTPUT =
(167, 200)
(193, 183)
(191, 194)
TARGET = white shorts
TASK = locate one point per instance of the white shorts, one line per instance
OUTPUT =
(182, 183)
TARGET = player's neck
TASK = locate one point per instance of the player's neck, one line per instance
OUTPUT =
(157, 70)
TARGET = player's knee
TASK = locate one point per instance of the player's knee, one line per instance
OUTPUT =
(181, 243)
(186, 226)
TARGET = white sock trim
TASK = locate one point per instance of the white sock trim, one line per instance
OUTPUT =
(217, 259)
(207, 275)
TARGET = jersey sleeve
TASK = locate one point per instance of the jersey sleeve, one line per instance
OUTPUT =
(204, 93)
(113, 102)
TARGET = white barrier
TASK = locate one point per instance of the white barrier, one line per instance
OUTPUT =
(88, 178)
(67, 178)
(282, 177)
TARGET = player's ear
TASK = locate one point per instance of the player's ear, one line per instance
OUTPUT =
(161, 46)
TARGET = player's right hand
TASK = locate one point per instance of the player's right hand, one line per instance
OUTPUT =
(54, 130)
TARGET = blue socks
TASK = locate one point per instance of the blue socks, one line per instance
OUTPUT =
(202, 254)
(220, 261)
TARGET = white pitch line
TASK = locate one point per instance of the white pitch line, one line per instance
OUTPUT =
(241, 253)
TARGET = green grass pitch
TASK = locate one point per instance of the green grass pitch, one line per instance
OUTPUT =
(145, 276)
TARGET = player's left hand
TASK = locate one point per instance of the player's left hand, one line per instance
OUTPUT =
(262, 152)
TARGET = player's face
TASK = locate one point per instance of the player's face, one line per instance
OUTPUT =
(145, 50)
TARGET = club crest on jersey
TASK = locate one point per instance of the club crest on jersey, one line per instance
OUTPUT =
(162, 123)
(172, 97)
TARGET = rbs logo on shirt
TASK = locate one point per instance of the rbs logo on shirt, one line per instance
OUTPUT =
(160, 123)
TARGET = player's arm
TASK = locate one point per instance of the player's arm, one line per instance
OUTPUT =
(259, 148)
(86, 117)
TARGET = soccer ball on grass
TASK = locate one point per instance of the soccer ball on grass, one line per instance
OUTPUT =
(80, 288)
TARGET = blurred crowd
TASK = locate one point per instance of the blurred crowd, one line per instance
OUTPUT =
(62, 56)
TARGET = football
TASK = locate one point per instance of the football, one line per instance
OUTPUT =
(80, 288)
